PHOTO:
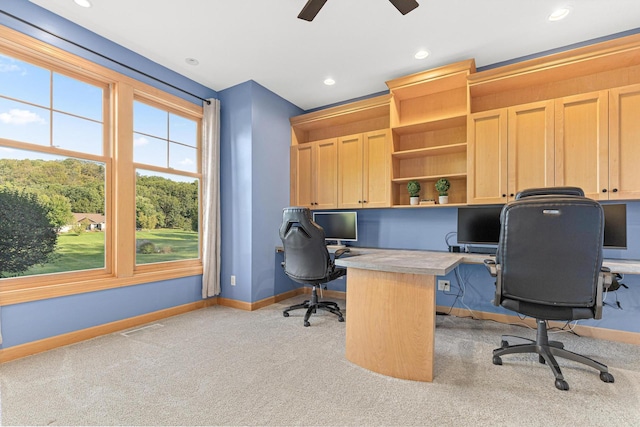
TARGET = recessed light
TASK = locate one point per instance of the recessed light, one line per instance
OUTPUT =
(329, 81)
(192, 61)
(421, 54)
(82, 3)
(559, 14)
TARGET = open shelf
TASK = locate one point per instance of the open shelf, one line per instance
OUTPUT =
(431, 151)
(435, 124)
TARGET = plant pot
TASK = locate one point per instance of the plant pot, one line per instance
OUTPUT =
(414, 200)
(443, 200)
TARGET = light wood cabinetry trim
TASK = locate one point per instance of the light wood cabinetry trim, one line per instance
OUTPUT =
(605, 65)
(357, 117)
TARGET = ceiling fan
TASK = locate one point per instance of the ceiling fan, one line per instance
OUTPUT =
(311, 9)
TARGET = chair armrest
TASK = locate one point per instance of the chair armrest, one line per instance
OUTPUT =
(341, 252)
(495, 270)
(605, 278)
(491, 266)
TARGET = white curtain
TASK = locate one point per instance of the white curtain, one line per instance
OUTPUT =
(211, 199)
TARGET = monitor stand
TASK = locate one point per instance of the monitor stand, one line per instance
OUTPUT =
(338, 245)
(484, 250)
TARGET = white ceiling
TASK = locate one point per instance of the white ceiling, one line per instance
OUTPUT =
(359, 43)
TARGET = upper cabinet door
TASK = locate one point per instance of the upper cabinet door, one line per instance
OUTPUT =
(350, 152)
(582, 152)
(624, 149)
(487, 157)
(530, 147)
(302, 191)
(326, 174)
(376, 169)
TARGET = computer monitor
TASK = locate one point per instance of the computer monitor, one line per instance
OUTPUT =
(339, 226)
(615, 226)
(480, 225)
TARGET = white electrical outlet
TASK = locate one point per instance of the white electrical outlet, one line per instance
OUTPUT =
(444, 285)
(233, 280)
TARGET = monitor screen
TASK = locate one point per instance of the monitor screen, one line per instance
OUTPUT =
(341, 226)
(615, 226)
(479, 225)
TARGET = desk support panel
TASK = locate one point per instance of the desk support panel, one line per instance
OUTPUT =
(391, 323)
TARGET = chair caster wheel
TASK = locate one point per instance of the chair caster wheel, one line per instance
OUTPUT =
(497, 360)
(606, 377)
(562, 385)
(307, 324)
(541, 360)
(340, 319)
(504, 344)
(285, 314)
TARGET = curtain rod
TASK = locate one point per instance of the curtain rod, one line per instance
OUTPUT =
(104, 56)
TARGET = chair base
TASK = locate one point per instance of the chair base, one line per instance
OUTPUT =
(313, 305)
(546, 351)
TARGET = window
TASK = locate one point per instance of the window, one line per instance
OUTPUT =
(50, 113)
(167, 196)
(107, 165)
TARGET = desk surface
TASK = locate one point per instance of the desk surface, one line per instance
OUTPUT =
(437, 262)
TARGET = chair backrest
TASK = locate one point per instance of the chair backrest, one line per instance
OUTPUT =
(548, 191)
(550, 250)
(306, 258)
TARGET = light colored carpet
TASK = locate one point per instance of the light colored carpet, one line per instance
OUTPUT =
(220, 366)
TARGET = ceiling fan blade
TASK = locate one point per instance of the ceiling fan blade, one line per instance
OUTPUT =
(311, 9)
(405, 6)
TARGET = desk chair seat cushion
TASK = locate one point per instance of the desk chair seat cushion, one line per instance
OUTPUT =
(542, 311)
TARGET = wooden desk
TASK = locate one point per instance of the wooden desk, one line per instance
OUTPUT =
(391, 310)
(391, 307)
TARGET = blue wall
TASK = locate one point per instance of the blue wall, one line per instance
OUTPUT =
(31, 321)
(473, 288)
(255, 140)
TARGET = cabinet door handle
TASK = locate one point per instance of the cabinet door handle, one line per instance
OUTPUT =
(604, 190)
(615, 190)
(511, 195)
(364, 201)
(504, 195)
(359, 201)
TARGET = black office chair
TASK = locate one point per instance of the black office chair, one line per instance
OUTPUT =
(307, 260)
(549, 266)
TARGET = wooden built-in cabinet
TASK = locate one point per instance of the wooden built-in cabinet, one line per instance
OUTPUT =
(510, 149)
(314, 174)
(593, 96)
(428, 122)
(333, 152)
(363, 170)
(567, 119)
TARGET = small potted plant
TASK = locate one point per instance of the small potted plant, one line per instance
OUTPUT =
(442, 187)
(414, 192)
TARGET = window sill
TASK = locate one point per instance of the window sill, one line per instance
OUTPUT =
(72, 287)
